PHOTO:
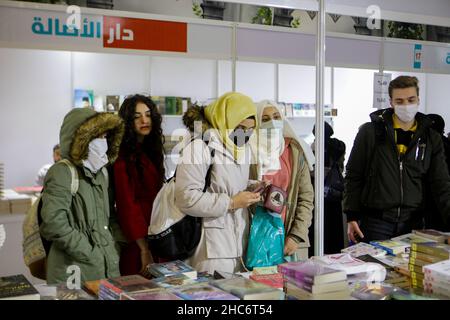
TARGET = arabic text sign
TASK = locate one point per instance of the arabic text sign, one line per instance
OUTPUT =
(142, 34)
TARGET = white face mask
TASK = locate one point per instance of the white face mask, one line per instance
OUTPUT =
(272, 145)
(272, 124)
(406, 113)
(97, 157)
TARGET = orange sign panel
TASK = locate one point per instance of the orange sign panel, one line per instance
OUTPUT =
(143, 34)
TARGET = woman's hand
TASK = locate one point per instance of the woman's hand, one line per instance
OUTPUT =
(146, 259)
(290, 246)
(244, 199)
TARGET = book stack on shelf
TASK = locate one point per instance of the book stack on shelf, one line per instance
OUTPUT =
(172, 105)
(17, 287)
(298, 110)
(437, 278)
(422, 255)
(113, 289)
(310, 280)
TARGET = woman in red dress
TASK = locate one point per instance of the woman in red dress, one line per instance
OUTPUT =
(138, 176)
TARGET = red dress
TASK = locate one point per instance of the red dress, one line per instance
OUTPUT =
(134, 201)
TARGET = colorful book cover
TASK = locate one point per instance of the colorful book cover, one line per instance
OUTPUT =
(264, 270)
(273, 280)
(362, 248)
(112, 103)
(391, 247)
(173, 281)
(440, 269)
(172, 268)
(83, 98)
(132, 283)
(203, 291)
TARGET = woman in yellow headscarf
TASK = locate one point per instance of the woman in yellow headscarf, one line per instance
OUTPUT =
(227, 125)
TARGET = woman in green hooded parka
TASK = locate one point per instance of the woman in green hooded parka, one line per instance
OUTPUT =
(82, 228)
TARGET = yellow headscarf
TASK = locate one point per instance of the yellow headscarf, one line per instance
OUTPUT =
(226, 113)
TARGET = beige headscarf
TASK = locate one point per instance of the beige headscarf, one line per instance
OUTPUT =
(269, 159)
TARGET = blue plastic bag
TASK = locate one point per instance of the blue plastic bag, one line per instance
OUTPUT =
(266, 240)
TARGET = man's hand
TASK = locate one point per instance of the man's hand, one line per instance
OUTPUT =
(353, 231)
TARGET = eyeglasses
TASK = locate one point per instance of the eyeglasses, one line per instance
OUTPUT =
(245, 129)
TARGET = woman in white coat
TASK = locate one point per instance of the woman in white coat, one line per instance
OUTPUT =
(229, 122)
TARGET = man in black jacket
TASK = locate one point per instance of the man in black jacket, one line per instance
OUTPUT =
(395, 158)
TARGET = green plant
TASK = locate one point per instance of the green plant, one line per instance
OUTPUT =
(197, 9)
(405, 30)
(263, 16)
(295, 22)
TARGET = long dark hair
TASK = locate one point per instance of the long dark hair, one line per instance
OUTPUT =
(153, 143)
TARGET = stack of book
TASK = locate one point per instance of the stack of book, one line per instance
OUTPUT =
(247, 289)
(437, 278)
(412, 237)
(423, 254)
(113, 289)
(356, 269)
(171, 268)
(435, 235)
(311, 280)
(17, 287)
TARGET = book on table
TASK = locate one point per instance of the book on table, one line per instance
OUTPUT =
(171, 268)
(112, 289)
(202, 291)
(17, 287)
(312, 272)
(247, 289)
(150, 295)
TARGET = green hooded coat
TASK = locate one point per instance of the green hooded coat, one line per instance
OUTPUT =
(80, 228)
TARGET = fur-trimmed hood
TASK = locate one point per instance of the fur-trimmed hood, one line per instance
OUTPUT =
(81, 126)
(193, 114)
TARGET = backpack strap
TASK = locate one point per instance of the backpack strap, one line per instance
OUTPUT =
(75, 183)
(208, 173)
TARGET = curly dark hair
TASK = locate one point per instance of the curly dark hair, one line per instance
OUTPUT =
(153, 145)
